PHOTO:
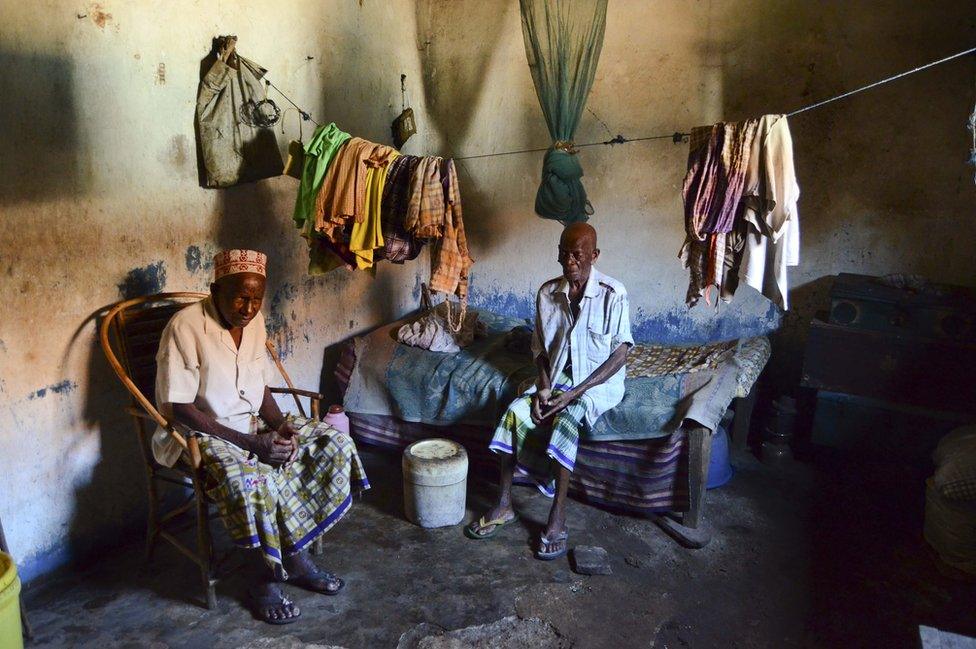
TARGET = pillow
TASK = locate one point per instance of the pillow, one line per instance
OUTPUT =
(955, 461)
(659, 360)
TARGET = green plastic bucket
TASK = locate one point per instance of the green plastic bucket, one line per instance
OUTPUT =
(10, 632)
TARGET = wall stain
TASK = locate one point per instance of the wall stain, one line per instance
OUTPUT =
(178, 150)
(143, 281)
(197, 259)
(675, 327)
(64, 387)
(99, 16)
(277, 322)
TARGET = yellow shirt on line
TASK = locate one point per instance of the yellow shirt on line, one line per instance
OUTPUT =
(367, 236)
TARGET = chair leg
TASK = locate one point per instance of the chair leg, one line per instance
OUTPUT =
(318, 546)
(743, 420)
(205, 547)
(691, 532)
(152, 521)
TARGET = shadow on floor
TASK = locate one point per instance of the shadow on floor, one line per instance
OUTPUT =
(823, 554)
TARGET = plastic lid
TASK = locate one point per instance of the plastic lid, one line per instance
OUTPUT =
(435, 449)
(335, 409)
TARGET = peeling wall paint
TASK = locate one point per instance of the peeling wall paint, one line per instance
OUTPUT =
(144, 281)
(64, 387)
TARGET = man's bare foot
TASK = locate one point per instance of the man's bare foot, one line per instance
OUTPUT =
(495, 517)
(269, 604)
(554, 539)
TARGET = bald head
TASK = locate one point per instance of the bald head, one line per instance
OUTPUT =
(578, 252)
(579, 232)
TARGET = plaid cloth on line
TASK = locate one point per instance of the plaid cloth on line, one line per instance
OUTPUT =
(281, 511)
(450, 260)
(399, 245)
(537, 447)
(425, 211)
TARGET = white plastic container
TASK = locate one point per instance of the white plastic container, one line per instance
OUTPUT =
(435, 480)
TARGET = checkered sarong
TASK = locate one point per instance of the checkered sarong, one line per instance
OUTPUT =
(536, 447)
(282, 510)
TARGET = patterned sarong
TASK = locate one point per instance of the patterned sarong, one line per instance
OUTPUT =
(282, 510)
(536, 447)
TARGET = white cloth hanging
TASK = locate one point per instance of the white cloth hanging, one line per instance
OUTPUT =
(770, 209)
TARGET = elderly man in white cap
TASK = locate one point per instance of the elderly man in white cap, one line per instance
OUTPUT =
(278, 483)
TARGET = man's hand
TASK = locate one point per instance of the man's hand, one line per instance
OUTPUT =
(271, 448)
(540, 402)
(287, 431)
(558, 403)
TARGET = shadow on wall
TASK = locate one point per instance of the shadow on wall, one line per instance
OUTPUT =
(453, 86)
(39, 130)
(109, 508)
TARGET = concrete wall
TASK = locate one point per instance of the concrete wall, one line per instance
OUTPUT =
(100, 200)
(99, 193)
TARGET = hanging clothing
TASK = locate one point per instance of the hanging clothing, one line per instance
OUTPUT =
(398, 244)
(425, 211)
(344, 187)
(367, 235)
(718, 162)
(325, 255)
(772, 220)
(319, 154)
(450, 261)
(718, 157)
(233, 151)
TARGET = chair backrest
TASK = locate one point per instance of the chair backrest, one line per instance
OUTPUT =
(137, 326)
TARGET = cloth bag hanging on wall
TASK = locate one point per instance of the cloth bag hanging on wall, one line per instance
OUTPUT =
(563, 39)
(232, 150)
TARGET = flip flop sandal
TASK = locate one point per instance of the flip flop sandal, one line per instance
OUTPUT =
(481, 523)
(261, 606)
(562, 537)
(312, 581)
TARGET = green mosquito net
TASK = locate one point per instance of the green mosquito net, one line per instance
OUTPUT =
(563, 39)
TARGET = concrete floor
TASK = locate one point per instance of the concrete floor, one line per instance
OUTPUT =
(819, 554)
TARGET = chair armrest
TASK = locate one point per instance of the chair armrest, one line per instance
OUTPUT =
(138, 412)
(301, 393)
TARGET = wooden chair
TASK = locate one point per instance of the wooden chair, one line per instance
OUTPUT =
(136, 326)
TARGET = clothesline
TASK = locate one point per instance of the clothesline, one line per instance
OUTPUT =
(678, 136)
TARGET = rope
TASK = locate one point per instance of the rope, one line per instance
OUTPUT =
(304, 113)
(678, 137)
(882, 82)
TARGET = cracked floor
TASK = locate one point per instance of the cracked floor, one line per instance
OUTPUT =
(821, 554)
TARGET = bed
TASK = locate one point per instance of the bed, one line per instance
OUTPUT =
(648, 455)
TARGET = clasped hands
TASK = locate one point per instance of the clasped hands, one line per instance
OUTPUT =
(276, 447)
(544, 405)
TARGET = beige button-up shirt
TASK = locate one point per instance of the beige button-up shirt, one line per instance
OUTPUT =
(588, 341)
(198, 363)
